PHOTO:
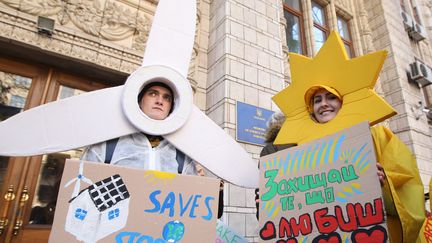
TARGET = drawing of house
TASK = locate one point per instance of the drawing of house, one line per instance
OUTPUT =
(98, 210)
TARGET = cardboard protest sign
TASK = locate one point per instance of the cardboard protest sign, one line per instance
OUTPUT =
(106, 203)
(225, 234)
(326, 190)
(425, 234)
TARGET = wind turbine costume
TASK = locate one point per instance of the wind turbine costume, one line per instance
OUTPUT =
(352, 81)
(109, 113)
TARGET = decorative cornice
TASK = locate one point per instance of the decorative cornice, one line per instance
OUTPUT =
(109, 33)
(111, 21)
(22, 28)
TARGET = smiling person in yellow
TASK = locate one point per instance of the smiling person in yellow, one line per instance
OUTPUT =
(331, 92)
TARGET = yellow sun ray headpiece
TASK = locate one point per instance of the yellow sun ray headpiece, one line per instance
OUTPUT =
(352, 79)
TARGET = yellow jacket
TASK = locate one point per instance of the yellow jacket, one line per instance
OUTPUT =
(403, 191)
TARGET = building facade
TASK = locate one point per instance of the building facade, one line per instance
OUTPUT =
(240, 54)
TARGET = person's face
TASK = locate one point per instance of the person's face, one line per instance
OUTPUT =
(325, 105)
(156, 102)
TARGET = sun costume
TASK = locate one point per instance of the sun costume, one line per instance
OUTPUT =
(353, 80)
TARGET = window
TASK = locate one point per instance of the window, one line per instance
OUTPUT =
(65, 92)
(320, 29)
(345, 34)
(17, 101)
(80, 214)
(113, 214)
(22, 81)
(294, 29)
(415, 12)
(427, 92)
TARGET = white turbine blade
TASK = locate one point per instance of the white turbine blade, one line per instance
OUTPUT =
(87, 180)
(70, 182)
(76, 188)
(81, 174)
(65, 124)
(172, 35)
(205, 142)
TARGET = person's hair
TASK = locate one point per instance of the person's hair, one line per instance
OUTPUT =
(273, 126)
(152, 84)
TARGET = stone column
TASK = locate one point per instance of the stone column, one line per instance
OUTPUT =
(245, 64)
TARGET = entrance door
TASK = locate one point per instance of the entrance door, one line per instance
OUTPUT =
(29, 185)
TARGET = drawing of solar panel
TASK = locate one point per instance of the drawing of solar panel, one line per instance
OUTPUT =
(99, 210)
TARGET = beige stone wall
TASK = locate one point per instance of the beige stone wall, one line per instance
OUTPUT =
(245, 64)
(198, 71)
(411, 123)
